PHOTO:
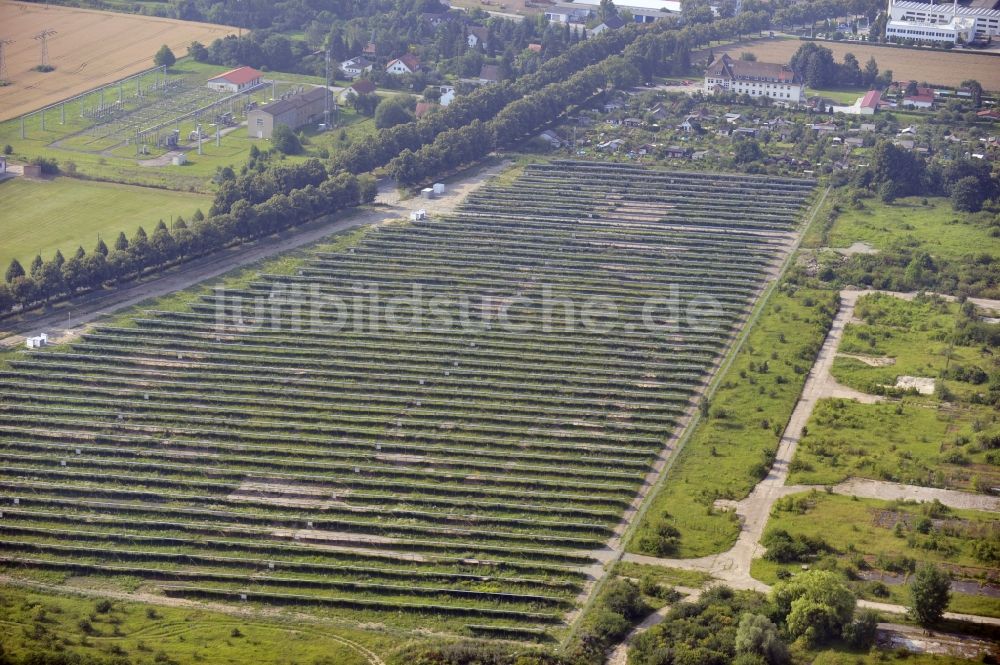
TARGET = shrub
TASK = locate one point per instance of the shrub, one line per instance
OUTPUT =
(860, 633)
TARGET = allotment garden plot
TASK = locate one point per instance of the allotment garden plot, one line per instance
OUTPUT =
(413, 431)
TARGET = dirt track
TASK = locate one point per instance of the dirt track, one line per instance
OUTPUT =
(90, 48)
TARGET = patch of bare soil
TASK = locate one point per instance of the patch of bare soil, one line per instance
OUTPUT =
(871, 361)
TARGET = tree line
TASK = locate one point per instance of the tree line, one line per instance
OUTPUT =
(128, 258)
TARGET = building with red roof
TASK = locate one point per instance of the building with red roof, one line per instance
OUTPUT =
(236, 80)
(869, 103)
(404, 64)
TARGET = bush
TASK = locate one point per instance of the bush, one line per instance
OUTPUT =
(49, 165)
(860, 633)
(285, 140)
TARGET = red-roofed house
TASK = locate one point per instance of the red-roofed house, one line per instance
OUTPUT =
(236, 80)
(869, 103)
(423, 108)
(404, 64)
(920, 100)
(535, 48)
(363, 87)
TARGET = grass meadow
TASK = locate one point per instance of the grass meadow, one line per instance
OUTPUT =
(730, 451)
(934, 227)
(156, 633)
(41, 216)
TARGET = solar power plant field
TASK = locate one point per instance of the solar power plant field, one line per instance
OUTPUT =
(458, 476)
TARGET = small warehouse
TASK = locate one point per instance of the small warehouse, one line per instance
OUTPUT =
(294, 111)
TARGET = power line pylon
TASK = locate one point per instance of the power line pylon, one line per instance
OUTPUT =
(43, 39)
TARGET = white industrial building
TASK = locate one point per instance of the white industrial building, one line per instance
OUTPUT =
(642, 11)
(757, 79)
(950, 22)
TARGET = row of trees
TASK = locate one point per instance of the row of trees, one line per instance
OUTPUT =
(45, 281)
(896, 172)
(816, 65)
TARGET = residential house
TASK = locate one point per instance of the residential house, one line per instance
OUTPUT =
(356, 67)
(869, 103)
(535, 48)
(423, 108)
(854, 142)
(677, 152)
(489, 74)
(613, 23)
(447, 95)
(361, 87)
(404, 64)
(478, 36)
(632, 122)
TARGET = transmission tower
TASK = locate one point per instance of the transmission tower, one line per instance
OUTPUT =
(326, 93)
(43, 39)
(3, 60)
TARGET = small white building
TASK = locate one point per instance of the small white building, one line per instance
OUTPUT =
(418, 215)
(37, 341)
(934, 18)
(567, 13)
(447, 95)
(236, 80)
(959, 30)
(478, 35)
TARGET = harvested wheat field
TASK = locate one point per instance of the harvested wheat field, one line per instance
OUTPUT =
(947, 68)
(89, 48)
